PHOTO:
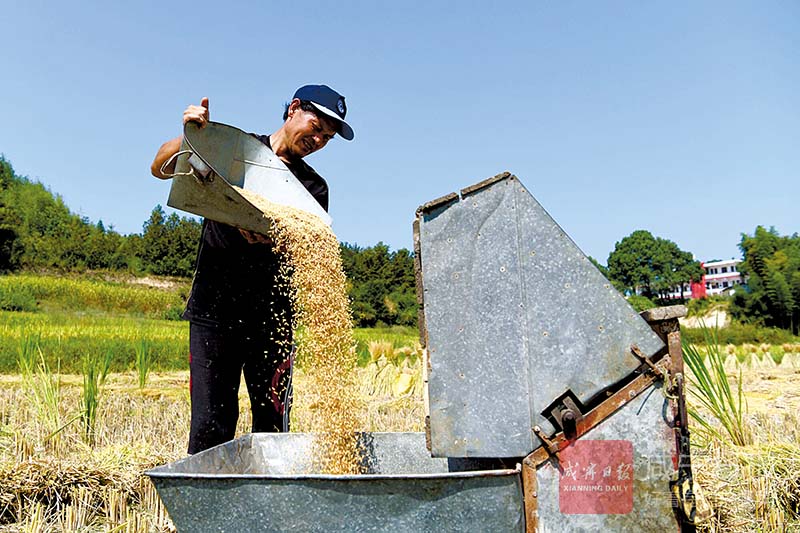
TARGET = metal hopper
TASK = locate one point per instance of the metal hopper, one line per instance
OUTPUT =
(533, 361)
(533, 354)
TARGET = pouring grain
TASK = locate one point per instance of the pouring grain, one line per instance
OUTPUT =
(317, 285)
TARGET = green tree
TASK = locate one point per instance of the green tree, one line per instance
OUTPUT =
(37, 230)
(154, 239)
(771, 267)
(6, 173)
(651, 266)
(169, 244)
(780, 298)
(631, 262)
(10, 246)
(381, 284)
(602, 268)
(677, 268)
(604, 271)
(184, 237)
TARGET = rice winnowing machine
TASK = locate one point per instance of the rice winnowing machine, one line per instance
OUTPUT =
(551, 404)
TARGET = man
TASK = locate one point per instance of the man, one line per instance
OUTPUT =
(239, 311)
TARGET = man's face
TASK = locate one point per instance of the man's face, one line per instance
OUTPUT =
(307, 132)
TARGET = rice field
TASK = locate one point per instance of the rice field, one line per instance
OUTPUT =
(61, 470)
(65, 337)
(56, 480)
(744, 403)
(97, 294)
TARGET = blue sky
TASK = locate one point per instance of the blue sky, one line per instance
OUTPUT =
(679, 118)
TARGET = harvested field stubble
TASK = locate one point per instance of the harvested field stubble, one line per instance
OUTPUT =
(136, 429)
(69, 485)
(750, 488)
(756, 486)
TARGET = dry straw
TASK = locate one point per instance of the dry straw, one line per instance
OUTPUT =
(754, 487)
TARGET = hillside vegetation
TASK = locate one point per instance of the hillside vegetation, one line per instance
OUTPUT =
(70, 317)
(38, 232)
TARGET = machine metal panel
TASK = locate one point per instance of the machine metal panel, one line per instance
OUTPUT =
(619, 478)
(476, 332)
(580, 328)
(515, 320)
(264, 482)
(503, 287)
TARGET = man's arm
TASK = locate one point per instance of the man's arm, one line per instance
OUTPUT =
(167, 150)
(193, 113)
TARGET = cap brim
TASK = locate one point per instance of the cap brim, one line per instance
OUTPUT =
(344, 128)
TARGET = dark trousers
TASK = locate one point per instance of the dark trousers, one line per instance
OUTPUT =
(217, 358)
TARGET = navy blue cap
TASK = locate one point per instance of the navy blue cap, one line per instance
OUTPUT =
(330, 103)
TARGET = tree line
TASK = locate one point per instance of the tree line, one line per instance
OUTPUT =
(39, 232)
(652, 267)
(772, 266)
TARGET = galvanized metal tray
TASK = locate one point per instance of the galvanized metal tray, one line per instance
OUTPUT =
(265, 482)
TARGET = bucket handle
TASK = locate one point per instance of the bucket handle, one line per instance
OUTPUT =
(197, 167)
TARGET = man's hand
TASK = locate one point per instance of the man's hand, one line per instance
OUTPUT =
(256, 238)
(193, 113)
(197, 113)
(253, 237)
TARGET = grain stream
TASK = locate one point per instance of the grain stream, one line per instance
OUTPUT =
(317, 285)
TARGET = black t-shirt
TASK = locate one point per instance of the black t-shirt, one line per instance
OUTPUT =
(235, 281)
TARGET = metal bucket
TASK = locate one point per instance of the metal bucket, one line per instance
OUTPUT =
(221, 172)
(264, 482)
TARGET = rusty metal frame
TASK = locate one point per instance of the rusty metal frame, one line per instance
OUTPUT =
(530, 494)
(664, 321)
(466, 191)
(590, 420)
(553, 445)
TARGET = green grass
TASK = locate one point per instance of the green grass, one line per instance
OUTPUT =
(82, 295)
(143, 360)
(95, 371)
(17, 298)
(75, 318)
(68, 337)
(640, 303)
(777, 353)
(737, 333)
(41, 383)
(399, 336)
(702, 306)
